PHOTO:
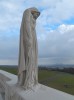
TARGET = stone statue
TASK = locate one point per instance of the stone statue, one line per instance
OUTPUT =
(28, 51)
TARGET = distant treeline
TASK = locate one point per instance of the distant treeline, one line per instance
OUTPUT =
(67, 70)
(64, 69)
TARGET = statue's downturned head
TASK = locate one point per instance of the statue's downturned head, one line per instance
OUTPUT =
(34, 11)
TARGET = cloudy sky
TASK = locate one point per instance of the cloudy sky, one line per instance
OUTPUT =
(55, 30)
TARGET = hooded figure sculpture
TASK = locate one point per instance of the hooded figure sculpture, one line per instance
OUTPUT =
(28, 51)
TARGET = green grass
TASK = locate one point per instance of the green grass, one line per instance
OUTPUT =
(43, 74)
(64, 83)
(11, 70)
(58, 80)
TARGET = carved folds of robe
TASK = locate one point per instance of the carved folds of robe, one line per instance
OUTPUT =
(28, 51)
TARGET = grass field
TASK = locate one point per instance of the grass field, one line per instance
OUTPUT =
(58, 80)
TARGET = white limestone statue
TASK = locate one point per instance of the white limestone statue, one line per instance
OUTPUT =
(28, 51)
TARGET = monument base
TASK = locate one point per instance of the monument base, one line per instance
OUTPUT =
(39, 92)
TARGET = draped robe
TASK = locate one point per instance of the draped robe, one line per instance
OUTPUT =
(28, 51)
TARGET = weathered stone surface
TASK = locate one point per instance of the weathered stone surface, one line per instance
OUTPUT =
(28, 50)
(39, 92)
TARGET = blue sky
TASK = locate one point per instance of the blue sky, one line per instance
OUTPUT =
(55, 30)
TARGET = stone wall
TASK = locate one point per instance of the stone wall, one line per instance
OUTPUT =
(11, 91)
(5, 78)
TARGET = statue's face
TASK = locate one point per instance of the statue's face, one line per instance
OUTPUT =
(35, 14)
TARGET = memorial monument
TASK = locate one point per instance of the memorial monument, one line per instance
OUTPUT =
(28, 68)
(28, 50)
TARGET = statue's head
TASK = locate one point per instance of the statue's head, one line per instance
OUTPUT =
(35, 12)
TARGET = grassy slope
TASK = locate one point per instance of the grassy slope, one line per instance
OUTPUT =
(11, 70)
(58, 80)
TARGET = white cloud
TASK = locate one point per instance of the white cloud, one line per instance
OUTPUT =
(58, 45)
(53, 43)
(54, 11)
(8, 62)
(9, 47)
(71, 40)
(55, 60)
(11, 15)
(65, 28)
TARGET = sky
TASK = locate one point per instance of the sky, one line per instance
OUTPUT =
(54, 29)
